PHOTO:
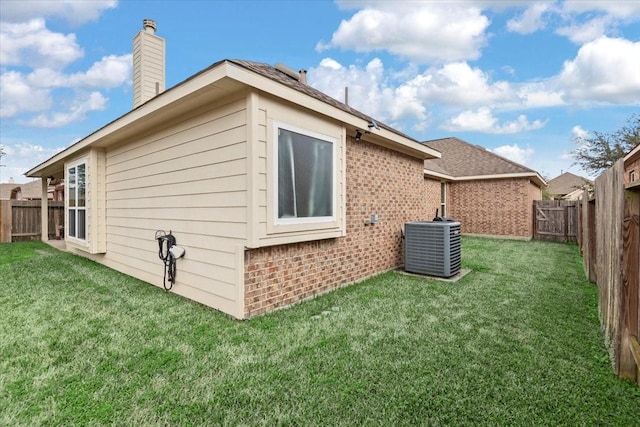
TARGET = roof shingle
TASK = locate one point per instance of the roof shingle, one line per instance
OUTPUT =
(460, 159)
(566, 183)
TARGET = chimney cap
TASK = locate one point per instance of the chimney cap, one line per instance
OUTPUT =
(149, 25)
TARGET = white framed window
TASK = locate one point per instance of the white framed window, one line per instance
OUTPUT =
(77, 201)
(305, 176)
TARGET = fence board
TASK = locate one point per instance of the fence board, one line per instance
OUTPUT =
(630, 283)
(24, 222)
(609, 190)
(587, 231)
(610, 243)
(5, 221)
(555, 220)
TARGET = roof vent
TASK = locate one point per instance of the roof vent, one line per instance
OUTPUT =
(288, 71)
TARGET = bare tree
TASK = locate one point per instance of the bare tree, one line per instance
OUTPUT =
(600, 151)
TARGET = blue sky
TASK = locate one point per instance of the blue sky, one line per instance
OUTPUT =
(520, 78)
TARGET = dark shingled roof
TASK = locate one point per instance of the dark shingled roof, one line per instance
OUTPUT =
(272, 73)
(460, 159)
(566, 183)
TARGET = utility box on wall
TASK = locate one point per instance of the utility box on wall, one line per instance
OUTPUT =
(432, 248)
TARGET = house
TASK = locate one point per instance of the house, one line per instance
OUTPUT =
(488, 194)
(632, 168)
(275, 191)
(567, 186)
(26, 191)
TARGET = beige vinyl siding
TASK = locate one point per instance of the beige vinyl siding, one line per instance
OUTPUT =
(267, 111)
(149, 60)
(96, 215)
(189, 178)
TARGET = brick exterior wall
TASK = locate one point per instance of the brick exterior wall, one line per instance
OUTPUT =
(379, 181)
(432, 198)
(501, 207)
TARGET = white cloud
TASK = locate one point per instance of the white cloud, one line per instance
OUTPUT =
(111, 71)
(22, 156)
(585, 21)
(530, 20)
(539, 95)
(32, 44)
(566, 156)
(458, 84)
(95, 101)
(483, 120)
(35, 92)
(34, 58)
(370, 90)
(422, 32)
(617, 9)
(73, 11)
(579, 133)
(585, 32)
(331, 64)
(605, 70)
(397, 96)
(515, 153)
(18, 96)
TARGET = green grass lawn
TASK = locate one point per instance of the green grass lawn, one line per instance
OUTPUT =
(515, 342)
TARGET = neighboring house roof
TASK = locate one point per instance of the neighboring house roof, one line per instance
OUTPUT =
(566, 183)
(574, 195)
(219, 80)
(29, 190)
(464, 161)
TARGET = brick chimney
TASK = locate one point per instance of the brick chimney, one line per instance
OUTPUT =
(148, 63)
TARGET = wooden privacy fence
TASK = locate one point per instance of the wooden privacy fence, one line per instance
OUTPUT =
(609, 238)
(555, 220)
(20, 220)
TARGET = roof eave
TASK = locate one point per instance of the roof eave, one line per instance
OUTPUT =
(169, 97)
(208, 78)
(382, 136)
(435, 174)
(633, 153)
(535, 177)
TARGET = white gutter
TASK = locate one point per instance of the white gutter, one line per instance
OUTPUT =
(536, 177)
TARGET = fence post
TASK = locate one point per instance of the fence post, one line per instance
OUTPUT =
(5, 221)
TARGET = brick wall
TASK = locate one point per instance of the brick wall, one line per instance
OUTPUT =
(500, 207)
(378, 181)
(432, 198)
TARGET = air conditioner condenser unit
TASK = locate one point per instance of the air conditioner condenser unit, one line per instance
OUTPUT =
(432, 248)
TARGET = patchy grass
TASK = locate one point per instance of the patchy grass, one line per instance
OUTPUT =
(515, 342)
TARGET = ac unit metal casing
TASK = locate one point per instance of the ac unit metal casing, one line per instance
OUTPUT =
(432, 248)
